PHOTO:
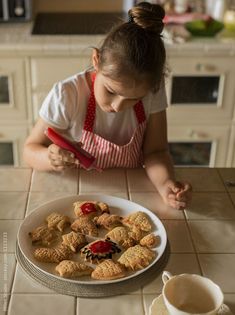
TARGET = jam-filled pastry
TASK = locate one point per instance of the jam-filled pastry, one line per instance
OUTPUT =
(99, 250)
(85, 225)
(74, 240)
(138, 219)
(150, 240)
(42, 235)
(53, 255)
(136, 233)
(57, 221)
(136, 257)
(87, 208)
(72, 269)
(108, 221)
(120, 235)
(108, 270)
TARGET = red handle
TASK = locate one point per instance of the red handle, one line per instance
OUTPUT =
(85, 158)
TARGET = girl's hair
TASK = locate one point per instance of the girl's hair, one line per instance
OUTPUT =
(135, 48)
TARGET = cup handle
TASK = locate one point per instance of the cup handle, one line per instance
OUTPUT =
(166, 275)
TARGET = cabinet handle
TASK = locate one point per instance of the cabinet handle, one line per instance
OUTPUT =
(205, 67)
(196, 135)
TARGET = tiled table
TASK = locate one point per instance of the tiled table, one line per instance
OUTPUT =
(202, 238)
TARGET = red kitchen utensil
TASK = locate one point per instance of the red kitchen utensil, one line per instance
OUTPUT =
(86, 159)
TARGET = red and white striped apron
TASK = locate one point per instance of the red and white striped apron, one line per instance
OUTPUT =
(109, 154)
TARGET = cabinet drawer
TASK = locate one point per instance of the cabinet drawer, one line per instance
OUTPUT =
(47, 71)
(13, 101)
(201, 89)
(199, 145)
(11, 145)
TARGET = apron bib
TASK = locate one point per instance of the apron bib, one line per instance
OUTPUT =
(109, 154)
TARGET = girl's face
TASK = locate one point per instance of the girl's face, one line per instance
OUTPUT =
(116, 96)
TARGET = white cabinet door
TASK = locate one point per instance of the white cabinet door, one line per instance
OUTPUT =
(46, 71)
(201, 89)
(231, 155)
(13, 101)
(11, 145)
(196, 145)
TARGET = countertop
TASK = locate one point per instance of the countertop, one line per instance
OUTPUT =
(17, 38)
(202, 238)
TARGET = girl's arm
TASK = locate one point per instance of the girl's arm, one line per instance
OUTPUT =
(158, 163)
(40, 154)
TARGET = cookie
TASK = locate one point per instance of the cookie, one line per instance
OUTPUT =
(136, 257)
(150, 240)
(72, 269)
(108, 270)
(108, 221)
(57, 221)
(139, 219)
(42, 235)
(53, 255)
(74, 240)
(85, 225)
(121, 236)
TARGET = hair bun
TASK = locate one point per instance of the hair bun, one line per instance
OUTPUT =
(148, 16)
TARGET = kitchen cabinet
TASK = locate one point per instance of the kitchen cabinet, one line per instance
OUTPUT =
(201, 99)
(14, 109)
(48, 70)
(11, 143)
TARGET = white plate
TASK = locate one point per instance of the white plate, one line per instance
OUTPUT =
(118, 206)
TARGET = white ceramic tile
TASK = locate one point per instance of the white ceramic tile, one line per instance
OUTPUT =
(36, 199)
(211, 205)
(179, 242)
(220, 268)
(119, 194)
(38, 304)
(229, 299)
(7, 270)
(8, 234)
(154, 202)
(177, 264)
(15, 179)
(228, 174)
(4, 300)
(108, 181)
(213, 236)
(13, 205)
(117, 305)
(201, 179)
(24, 284)
(66, 181)
(138, 181)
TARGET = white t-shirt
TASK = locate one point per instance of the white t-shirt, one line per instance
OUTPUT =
(66, 104)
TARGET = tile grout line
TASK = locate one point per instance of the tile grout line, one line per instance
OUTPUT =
(127, 185)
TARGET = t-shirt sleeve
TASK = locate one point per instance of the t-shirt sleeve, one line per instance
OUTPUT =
(158, 100)
(58, 106)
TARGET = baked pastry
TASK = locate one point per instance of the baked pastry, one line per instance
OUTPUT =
(53, 255)
(121, 236)
(99, 250)
(136, 233)
(139, 219)
(104, 208)
(72, 269)
(42, 235)
(88, 208)
(74, 240)
(85, 225)
(150, 240)
(108, 221)
(136, 257)
(108, 270)
(57, 221)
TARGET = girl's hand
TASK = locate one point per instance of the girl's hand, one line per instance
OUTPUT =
(61, 159)
(176, 194)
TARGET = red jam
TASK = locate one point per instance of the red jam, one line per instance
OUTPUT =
(101, 247)
(88, 207)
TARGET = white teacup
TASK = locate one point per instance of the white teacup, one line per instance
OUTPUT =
(186, 294)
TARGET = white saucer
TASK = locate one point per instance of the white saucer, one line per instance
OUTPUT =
(158, 308)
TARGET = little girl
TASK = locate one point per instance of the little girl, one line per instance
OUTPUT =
(117, 109)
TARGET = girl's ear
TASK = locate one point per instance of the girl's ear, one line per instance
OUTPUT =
(95, 59)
